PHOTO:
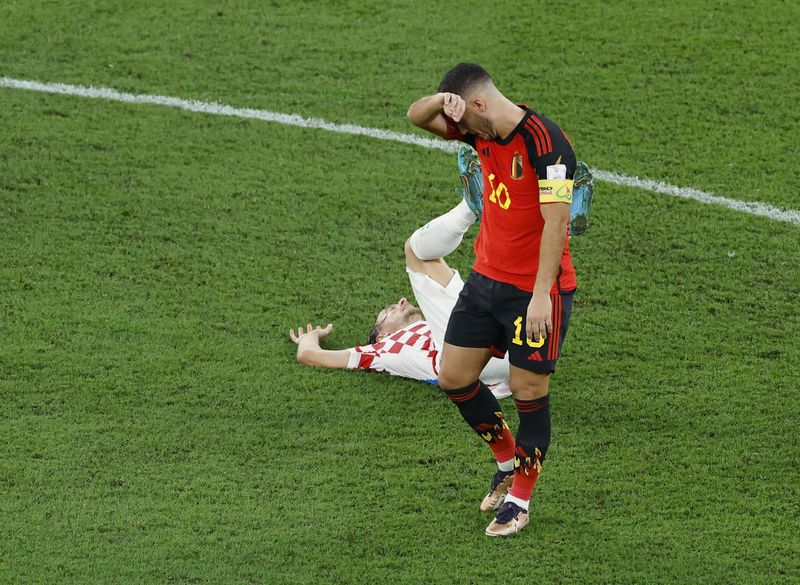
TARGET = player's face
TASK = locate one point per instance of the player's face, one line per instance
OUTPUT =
(397, 316)
(476, 122)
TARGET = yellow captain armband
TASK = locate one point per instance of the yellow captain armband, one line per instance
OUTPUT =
(555, 190)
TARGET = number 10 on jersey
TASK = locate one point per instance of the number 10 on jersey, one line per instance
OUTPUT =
(499, 194)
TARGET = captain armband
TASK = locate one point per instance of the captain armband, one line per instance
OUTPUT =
(555, 190)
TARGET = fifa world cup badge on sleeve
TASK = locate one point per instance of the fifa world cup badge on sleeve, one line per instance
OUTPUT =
(555, 172)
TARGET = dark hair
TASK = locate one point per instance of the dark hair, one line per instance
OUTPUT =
(463, 77)
(373, 335)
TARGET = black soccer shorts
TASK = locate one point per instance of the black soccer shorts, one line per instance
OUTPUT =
(491, 314)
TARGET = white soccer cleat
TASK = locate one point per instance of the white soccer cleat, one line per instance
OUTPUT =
(509, 519)
(501, 481)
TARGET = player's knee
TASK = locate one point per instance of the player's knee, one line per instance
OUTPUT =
(448, 381)
(530, 388)
(412, 260)
(446, 384)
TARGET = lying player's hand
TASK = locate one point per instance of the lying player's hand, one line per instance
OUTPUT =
(539, 321)
(453, 106)
(318, 332)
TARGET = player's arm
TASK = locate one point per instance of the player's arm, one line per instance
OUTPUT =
(309, 351)
(429, 112)
(539, 318)
(554, 172)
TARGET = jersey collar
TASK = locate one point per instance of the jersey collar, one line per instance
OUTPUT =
(517, 128)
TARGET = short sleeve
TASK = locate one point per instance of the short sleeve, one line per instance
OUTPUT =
(379, 357)
(540, 163)
(361, 358)
(366, 357)
(547, 145)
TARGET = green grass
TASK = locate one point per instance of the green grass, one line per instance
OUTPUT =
(154, 426)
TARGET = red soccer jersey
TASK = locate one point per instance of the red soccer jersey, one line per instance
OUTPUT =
(507, 248)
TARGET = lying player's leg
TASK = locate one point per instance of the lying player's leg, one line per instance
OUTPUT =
(471, 175)
(426, 248)
(440, 236)
(434, 268)
(436, 286)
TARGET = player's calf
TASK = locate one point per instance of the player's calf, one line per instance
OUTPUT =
(482, 412)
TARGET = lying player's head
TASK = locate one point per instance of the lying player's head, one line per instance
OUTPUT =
(477, 89)
(393, 318)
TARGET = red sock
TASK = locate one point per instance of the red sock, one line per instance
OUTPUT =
(501, 441)
(533, 439)
(526, 474)
(482, 412)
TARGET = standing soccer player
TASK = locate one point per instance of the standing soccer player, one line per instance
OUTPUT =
(518, 298)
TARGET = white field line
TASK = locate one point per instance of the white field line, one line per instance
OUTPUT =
(754, 208)
(751, 207)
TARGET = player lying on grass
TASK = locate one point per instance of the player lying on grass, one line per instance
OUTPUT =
(405, 340)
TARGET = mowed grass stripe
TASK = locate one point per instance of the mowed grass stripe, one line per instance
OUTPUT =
(752, 207)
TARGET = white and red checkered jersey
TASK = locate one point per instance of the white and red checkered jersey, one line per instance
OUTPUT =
(409, 352)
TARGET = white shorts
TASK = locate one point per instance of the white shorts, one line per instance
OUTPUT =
(436, 302)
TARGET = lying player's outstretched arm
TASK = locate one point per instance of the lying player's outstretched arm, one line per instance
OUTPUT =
(309, 351)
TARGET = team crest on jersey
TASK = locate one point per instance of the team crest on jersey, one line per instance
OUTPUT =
(516, 167)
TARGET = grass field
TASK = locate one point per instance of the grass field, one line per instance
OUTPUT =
(154, 426)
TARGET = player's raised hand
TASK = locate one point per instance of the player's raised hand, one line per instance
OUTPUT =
(318, 332)
(453, 106)
(324, 331)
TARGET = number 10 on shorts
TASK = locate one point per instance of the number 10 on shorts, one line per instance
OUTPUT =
(517, 340)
